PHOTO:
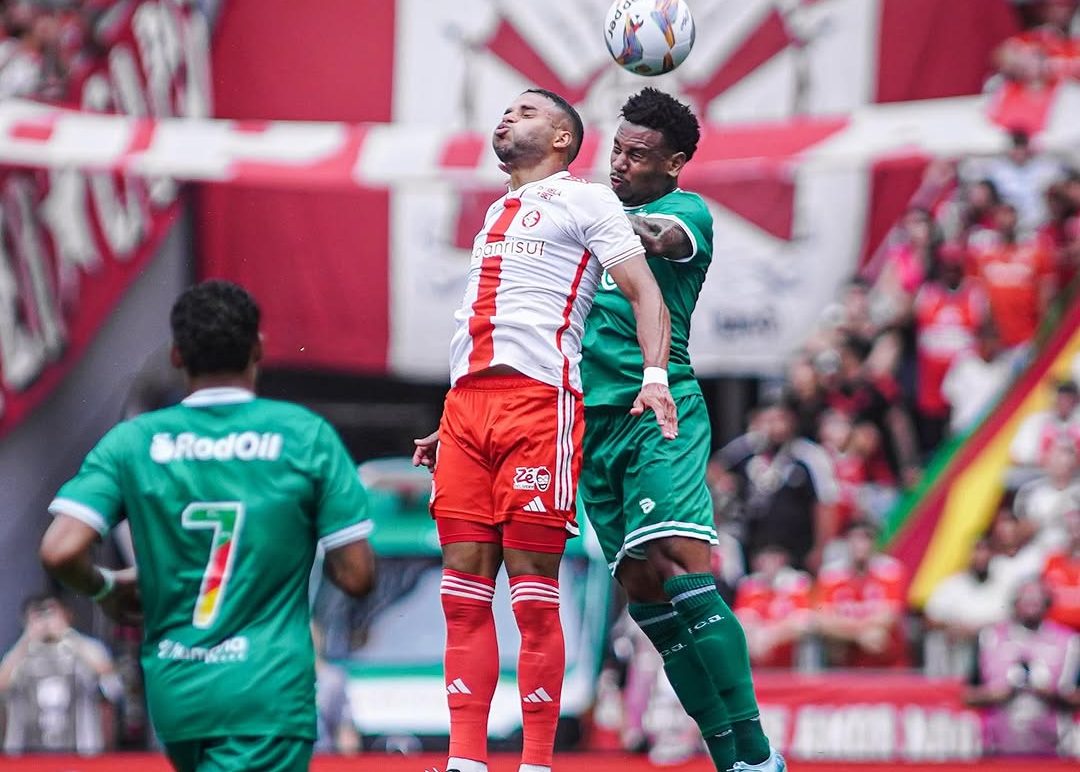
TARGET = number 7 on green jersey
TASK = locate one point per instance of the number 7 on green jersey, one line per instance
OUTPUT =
(226, 519)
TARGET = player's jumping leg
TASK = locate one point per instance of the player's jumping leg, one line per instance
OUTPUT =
(719, 638)
(686, 671)
(472, 651)
(534, 595)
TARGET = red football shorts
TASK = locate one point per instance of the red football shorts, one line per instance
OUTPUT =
(509, 451)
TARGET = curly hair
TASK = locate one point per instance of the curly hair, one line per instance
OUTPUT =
(654, 109)
(215, 326)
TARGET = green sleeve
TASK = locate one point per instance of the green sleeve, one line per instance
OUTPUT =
(341, 515)
(95, 494)
(693, 215)
(697, 221)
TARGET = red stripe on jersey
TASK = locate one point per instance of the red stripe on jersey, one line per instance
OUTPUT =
(566, 315)
(483, 308)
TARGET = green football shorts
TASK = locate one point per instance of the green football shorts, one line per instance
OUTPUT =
(636, 486)
(241, 754)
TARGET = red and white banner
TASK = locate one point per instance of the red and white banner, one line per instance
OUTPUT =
(788, 234)
(71, 239)
(355, 233)
(881, 717)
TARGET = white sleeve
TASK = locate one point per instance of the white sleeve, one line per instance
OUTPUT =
(605, 230)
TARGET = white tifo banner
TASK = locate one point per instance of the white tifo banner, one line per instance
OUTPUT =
(790, 198)
(765, 291)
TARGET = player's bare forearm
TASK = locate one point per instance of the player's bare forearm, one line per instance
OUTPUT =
(352, 568)
(662, 238)
(635, 279)
(65, 554)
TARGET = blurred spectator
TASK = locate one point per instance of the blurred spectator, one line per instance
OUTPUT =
(29, 55)
(1019, 277)
(807, 395)
(948, 310)
(907, 262)
(1025, 671)
(1045, 54)
(958, 608)
(784, 485)
(1015, 560)
(336, 728)
(874, 400)
(54, 679)
(1059, 236)
(861, 601)
(1061, 575)
(1022, 177)
(1041, 504)
(1043, 430)
(866, 482)
(968, 219)
(773, 604)
(853, 316)
(977, 378)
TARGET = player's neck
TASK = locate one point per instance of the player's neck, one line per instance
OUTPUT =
(245, 381)
(546, 167)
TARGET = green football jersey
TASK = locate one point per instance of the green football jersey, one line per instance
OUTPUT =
(611, 363)
(227, 496)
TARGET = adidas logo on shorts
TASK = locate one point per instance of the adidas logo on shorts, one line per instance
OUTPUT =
(536, 505)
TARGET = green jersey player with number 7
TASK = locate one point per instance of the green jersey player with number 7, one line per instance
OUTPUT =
(646, 497)
(228, 497)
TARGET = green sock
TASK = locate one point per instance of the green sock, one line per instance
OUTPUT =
(721, 644)
(688, 678)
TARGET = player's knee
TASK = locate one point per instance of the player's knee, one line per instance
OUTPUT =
(641, 582)
(679, 555)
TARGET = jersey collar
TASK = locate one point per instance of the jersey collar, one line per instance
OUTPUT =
(550, 177)
(222, 395)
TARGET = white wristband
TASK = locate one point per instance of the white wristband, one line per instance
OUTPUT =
(654, 375)
(109, 582)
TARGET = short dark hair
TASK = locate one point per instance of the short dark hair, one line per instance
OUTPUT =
(39, 599)
(215, 326)
(862, 523)
(654, 109)
(577, 127)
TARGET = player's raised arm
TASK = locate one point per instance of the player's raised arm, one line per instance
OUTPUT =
(635, 279)
(663, 237)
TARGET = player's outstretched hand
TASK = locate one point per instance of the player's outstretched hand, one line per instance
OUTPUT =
(424, 455)
(123, 604)
(656, 397)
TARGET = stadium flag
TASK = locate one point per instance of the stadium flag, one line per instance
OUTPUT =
(933, 529)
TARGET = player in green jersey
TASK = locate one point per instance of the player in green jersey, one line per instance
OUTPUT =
(228, 497)
(645, 496)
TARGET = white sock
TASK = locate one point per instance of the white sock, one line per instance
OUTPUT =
(533, 768)
(466, 765)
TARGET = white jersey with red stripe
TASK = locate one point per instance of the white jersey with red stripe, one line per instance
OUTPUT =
(535, 268)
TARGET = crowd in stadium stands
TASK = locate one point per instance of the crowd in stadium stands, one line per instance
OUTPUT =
(42, 42)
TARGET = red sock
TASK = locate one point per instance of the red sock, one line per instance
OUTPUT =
(535, 600)
(471, 663)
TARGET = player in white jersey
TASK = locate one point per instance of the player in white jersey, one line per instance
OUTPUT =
(509, 444)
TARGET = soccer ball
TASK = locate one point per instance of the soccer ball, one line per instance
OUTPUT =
(649, 37)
